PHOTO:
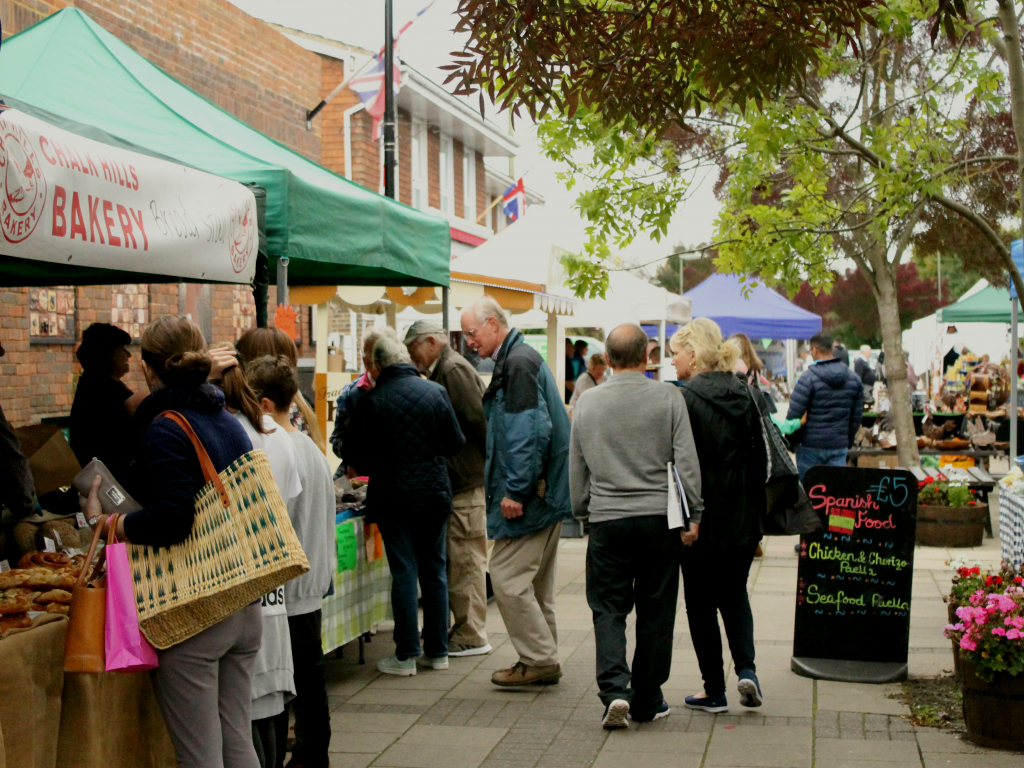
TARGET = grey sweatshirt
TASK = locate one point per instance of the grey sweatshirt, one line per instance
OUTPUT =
(624, 434)
(312, 513)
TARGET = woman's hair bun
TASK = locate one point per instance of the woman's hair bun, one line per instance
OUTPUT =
(187, 369)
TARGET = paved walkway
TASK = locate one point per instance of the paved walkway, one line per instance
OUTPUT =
(457, 719)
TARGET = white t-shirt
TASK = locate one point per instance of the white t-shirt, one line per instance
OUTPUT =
(280, 451)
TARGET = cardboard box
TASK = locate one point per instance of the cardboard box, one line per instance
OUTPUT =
(878, 462)
(50, 458)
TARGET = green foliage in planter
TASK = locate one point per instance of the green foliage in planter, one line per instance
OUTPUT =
(946, 494)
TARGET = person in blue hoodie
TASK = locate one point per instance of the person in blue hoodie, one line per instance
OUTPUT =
(526, 479)
(832, 397)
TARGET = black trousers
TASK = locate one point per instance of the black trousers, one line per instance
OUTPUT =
(264, 739)
(715, 581)
(633, 561)
(312, 711)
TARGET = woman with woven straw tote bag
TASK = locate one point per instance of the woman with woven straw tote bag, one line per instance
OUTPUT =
(212, 537)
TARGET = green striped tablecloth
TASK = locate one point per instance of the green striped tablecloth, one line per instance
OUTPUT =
(361, 599)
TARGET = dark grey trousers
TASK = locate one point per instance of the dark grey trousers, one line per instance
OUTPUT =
(204, 686)
(633, 561)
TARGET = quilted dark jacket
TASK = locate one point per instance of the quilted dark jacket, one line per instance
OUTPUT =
(833, 398)
(402, 432)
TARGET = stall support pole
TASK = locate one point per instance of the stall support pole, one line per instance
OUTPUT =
(444, 308)
(791, 364)
(282, 280)
(556, 353)
(1013, 378)
(391, 316)
(661, 346)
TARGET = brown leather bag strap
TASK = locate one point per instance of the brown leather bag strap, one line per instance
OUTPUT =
(209, 472)
(87, 565)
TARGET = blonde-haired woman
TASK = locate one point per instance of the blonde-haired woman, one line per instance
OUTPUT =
(727, 432)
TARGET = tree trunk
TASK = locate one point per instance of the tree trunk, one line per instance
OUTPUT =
(896, 371)
(1015, 70)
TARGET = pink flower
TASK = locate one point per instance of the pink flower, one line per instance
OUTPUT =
(977, 598)
(967, 643)
(952, 628)
(1002, 602)
(999, 631)
(1014, 634)
(1015, 621)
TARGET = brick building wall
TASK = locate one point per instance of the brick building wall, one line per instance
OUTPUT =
(459, 183)
(482, 201)
(433, 167)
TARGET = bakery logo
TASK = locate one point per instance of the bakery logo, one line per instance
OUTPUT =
(22, 184)
(242, 235)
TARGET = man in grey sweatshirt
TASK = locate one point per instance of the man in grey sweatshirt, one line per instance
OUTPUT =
(624, 434)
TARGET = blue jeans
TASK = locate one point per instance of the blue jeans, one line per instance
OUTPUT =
(416, 550)
(818, 457)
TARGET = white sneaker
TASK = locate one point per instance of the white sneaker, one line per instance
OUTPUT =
(615, 715)
(459, 649)
(432, 662)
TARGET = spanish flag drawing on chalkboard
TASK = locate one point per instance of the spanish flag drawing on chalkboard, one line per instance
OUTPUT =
(841, 520)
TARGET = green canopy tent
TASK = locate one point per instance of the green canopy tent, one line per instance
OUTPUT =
(332, 231)
(989, 305)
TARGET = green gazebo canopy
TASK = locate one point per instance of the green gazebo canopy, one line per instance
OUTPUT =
(989, 305)
(333, 231)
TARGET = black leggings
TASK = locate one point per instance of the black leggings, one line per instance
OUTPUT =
(715, 580)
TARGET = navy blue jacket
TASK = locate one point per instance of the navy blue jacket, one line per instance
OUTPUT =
(527, 442)
(166, 474)
(832, 396)
(405, 429)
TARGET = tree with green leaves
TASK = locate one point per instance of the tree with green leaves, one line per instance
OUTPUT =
(843, 162)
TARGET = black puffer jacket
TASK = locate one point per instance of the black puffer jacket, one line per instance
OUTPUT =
(727, 432)
(833, 398)
(402, 432)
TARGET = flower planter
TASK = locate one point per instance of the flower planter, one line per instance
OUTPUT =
(994, 712)
(951, 526)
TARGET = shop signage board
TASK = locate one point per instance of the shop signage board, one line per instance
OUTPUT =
(67, 199)
(854, 578)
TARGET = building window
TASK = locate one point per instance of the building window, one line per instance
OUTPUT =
(419, 165)
(52, 315)
(446, 166)
(469, 184)
(129, 308)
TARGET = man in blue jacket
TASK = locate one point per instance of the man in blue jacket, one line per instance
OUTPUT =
(526, 479)
(831, 396)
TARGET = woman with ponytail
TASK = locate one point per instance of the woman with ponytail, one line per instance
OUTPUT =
(726, 428)
(204, 684)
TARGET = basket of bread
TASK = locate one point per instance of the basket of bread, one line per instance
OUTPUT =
(42, 583)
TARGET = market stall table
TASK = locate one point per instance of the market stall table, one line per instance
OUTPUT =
(362, 592)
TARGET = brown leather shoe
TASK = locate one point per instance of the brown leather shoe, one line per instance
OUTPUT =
(523, 674)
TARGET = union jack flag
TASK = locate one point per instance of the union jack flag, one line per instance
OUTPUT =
(369, 85)
(514, 201)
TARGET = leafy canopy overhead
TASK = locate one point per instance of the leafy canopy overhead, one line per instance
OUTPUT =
(646, 61)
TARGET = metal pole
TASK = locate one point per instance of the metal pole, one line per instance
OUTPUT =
(444, 306)
(939, 265)
(282, 280)
(1013, 379)
(389, 102)
(681, 265)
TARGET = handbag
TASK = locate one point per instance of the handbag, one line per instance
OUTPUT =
(84, 644)
(780, 465)
(127, 650)
(112, 497)
(241, 547)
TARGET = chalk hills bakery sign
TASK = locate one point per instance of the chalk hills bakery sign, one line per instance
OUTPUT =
(68, 199)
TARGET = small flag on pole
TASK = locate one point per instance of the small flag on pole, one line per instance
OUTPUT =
(514, 201)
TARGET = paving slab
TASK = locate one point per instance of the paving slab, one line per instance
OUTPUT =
(633, 741)
(775, 756)
(865, 751)
(376, 722)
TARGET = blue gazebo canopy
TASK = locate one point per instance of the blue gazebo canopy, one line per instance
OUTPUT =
(765, 315)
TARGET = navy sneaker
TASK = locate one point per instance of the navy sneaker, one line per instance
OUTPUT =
(663, 711)
(750, 689)
(615, 715)
(712, 704)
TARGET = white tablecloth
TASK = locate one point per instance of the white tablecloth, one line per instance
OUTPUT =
(1011, 527)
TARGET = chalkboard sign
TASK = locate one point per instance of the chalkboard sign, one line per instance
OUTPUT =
(854, 578)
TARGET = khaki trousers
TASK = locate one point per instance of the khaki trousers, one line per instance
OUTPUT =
(467, 569)
(523, 577)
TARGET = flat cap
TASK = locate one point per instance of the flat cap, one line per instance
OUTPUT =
(421, 327)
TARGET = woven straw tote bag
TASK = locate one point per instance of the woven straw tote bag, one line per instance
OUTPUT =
(242, 546)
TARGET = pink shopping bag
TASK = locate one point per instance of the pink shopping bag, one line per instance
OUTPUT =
(126, 648)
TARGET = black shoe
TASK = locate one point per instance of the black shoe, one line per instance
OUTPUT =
(664, 710)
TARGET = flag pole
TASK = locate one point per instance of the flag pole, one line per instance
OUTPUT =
(389, 102)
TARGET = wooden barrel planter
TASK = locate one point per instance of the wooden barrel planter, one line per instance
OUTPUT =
(994, 712)
(951, 526)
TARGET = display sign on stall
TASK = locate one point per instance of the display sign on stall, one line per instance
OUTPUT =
(68, 199)
(854, 577)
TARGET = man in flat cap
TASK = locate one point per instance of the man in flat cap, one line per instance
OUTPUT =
(432, 354)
